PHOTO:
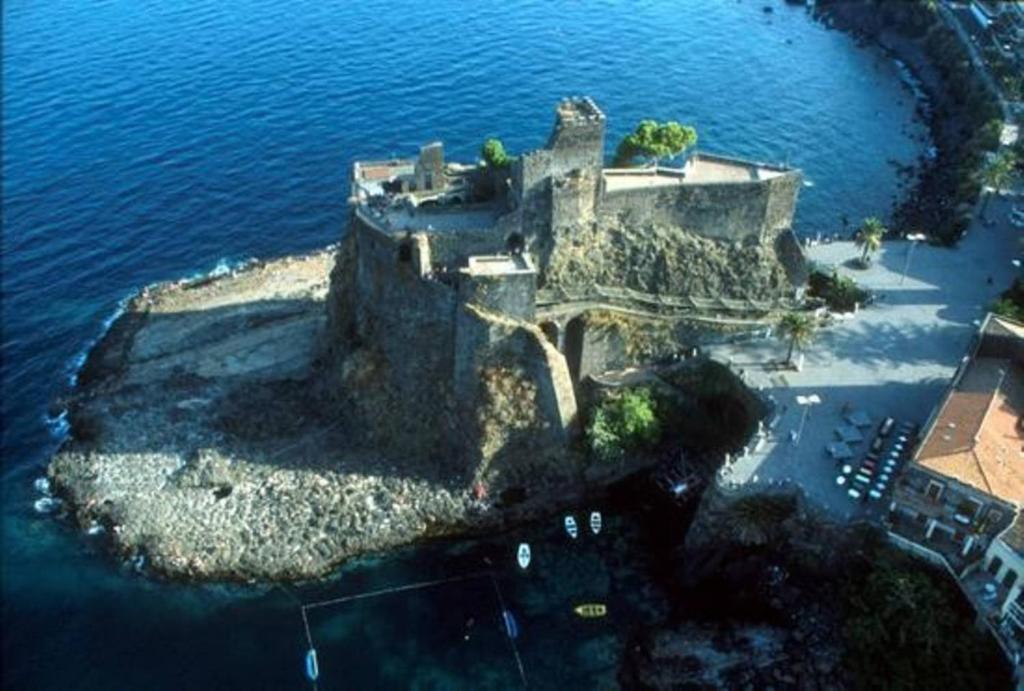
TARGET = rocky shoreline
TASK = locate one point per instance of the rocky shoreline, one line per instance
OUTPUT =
(203, 446)
(940, 202)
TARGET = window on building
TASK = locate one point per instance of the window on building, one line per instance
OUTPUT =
(995, 565)
(1010, 578)
(428, 181)
(405, 251)
(934, 490)
(969, 508)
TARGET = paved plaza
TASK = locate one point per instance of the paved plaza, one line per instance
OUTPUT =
(894, 358)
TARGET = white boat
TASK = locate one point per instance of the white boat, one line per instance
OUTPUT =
(523, 555)
(570, 527)
(595, 522)
(312, 667)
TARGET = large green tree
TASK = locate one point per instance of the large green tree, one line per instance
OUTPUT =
(799, 329)
(869, 237)
(654, 140)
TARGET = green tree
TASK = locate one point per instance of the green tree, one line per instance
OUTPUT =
(493, 153)
(869, 237)
(799, 328)
(654, 140)
(840, 293)
(903, 631)
(622, 423)
(1004, 307)
(996, 175)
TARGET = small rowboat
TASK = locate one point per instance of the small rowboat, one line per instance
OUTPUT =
(511, 628)
(595, 522)
(312, 668)
(570, 527)
(591, 610)
(523, 555)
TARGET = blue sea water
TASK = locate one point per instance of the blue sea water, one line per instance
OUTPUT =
(147, 140)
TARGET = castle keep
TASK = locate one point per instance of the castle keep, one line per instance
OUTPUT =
(462, 292)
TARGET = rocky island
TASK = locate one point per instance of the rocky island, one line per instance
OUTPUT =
(430, 374)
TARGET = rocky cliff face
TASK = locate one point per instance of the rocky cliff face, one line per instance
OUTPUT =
(664, 259)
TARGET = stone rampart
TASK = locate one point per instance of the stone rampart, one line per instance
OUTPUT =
(422, 363)
(753, 211)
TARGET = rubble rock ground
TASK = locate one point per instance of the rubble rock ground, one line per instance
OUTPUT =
(200, 444)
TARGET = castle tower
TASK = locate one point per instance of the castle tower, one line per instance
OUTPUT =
(557, 185)
(577, 142)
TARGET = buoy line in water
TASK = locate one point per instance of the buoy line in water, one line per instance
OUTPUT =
(406, 588)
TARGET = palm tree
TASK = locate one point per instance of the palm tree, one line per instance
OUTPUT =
(869, 236)
(798, 327)
(996, 175)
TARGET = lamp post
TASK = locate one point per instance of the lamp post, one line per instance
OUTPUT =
(914, 239)
(805, 402)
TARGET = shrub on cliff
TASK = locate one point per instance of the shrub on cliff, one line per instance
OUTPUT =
(494, 155)
(622, 423)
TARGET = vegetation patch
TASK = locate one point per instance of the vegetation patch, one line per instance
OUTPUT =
(1011, 303)
(624, 422)
(653, 141)
(840, 293)
(906, 626)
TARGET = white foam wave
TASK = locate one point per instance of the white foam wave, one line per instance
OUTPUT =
(42, 485)
(79, 359)
(47, 504)
(225, 266)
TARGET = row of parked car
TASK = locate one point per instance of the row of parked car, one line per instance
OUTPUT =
(891, 446)
(1017, 217)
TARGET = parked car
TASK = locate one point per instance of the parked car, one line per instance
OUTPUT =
(885, 426)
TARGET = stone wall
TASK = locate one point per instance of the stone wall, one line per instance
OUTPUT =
(452, 248)
(574, 148)
(663, 259)
(610, 340)
(390, 343)
(518, 406)
(736, 211)
(425, 369)
(513, 295)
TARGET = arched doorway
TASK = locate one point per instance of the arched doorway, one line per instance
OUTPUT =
(515, 243)
(550, 330)
(574, 345)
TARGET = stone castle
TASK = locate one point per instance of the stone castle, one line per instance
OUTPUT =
(469, 301)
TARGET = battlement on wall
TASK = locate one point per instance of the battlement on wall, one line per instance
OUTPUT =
(578, 111)
(577, 140)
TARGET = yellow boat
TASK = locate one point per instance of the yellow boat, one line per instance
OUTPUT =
(591, 610)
